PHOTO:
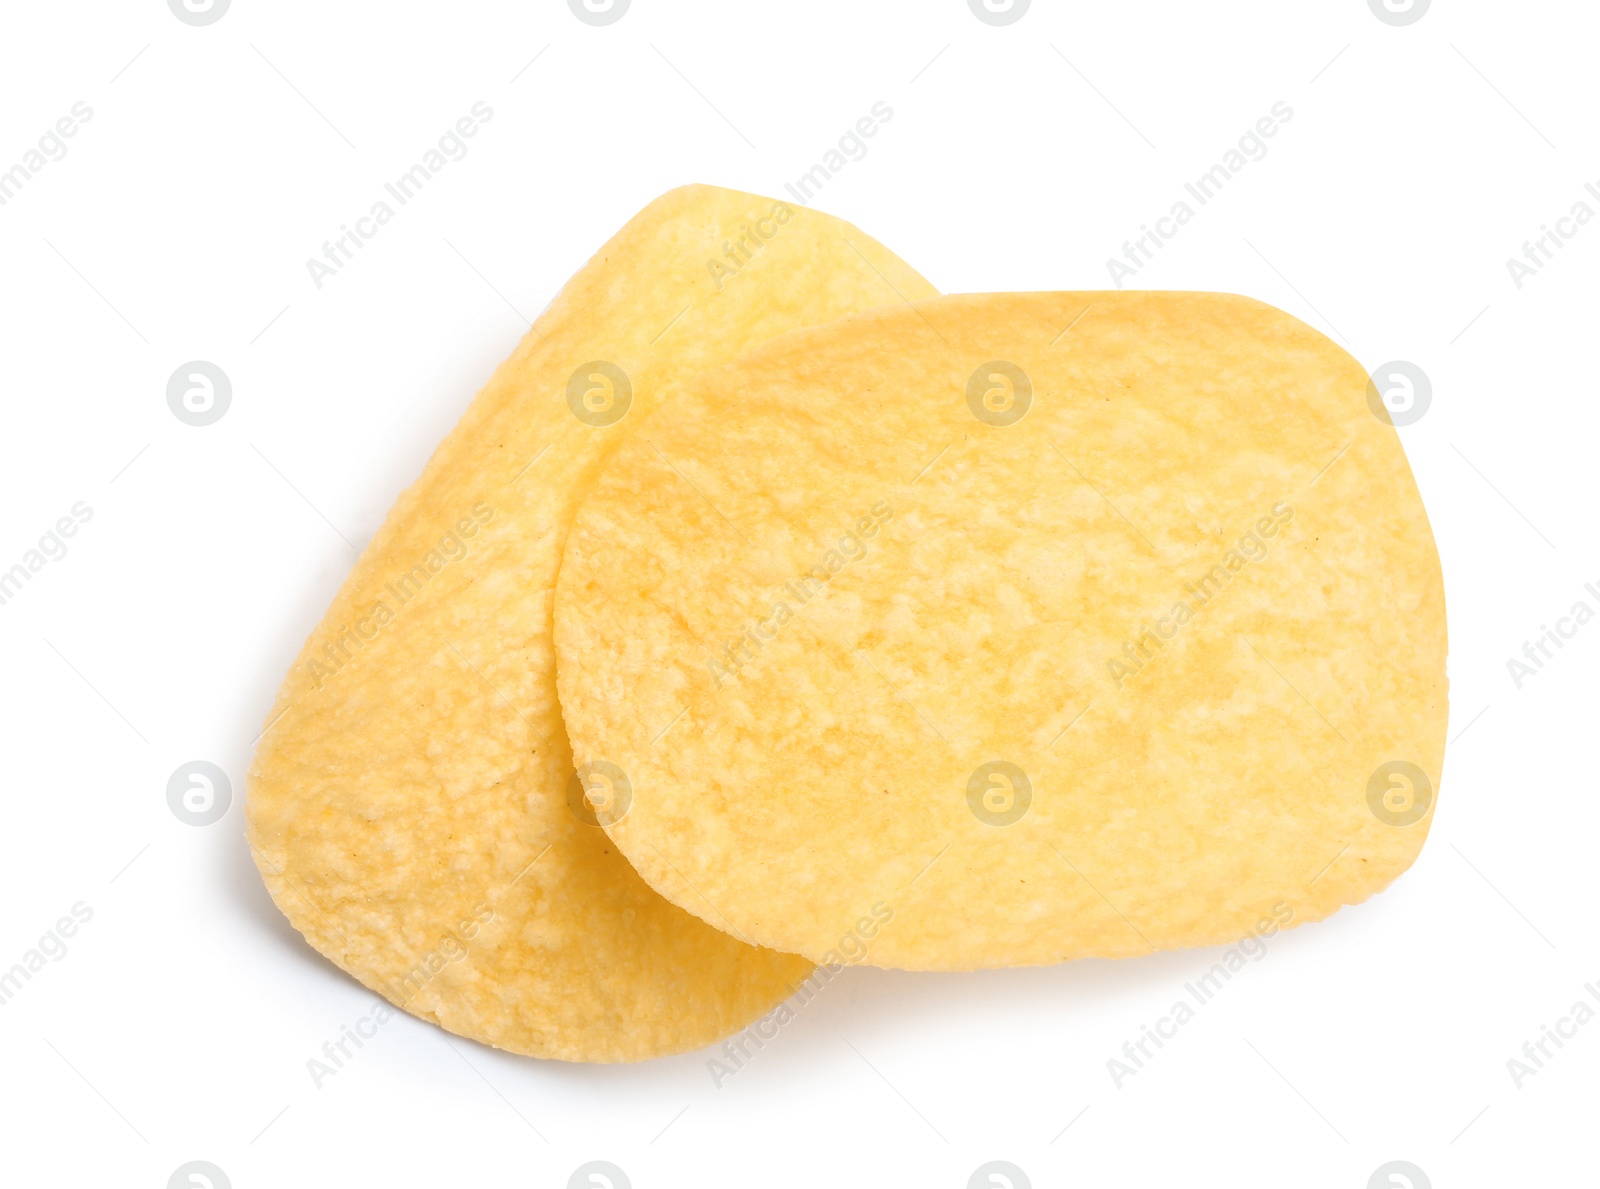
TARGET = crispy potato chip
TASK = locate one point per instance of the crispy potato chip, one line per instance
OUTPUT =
(1011, 629)
(413, 806)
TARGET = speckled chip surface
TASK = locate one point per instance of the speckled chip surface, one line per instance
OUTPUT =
(412, 805)
(1012, 629)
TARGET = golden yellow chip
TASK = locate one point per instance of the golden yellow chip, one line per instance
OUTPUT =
(413, 806)
(1011, 629)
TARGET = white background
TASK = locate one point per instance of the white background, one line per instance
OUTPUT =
(218, 159)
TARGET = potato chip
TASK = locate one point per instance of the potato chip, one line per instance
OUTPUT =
(413, 806)
(1010, 629)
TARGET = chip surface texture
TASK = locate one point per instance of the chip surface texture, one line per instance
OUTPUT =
(412, 806)
(1054, 625)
